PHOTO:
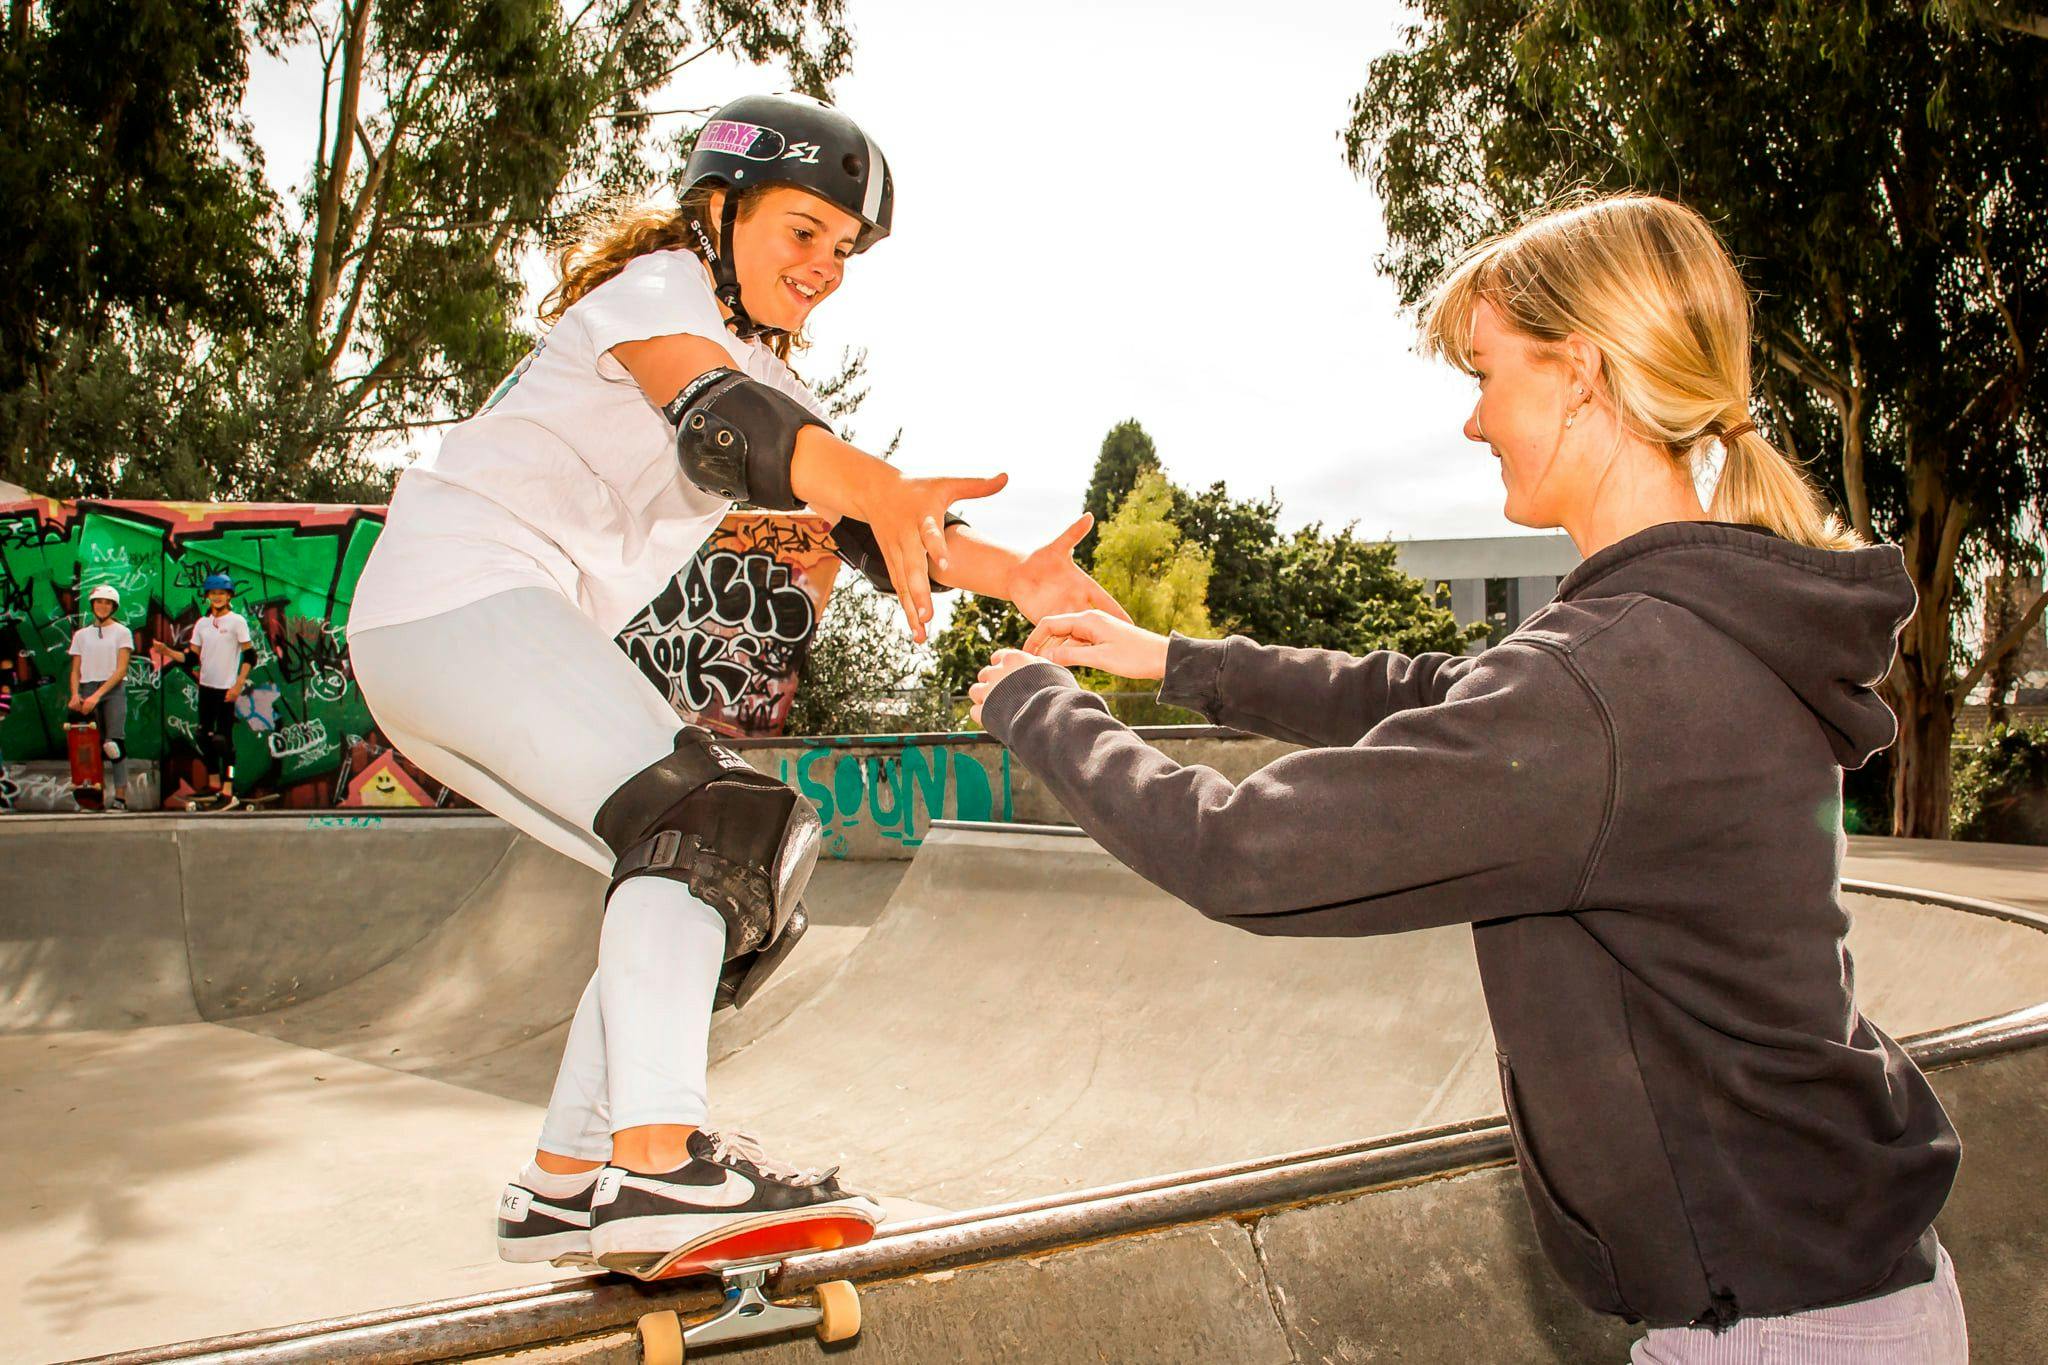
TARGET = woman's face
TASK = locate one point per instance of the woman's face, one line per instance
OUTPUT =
(1524, 398)
(791, 254)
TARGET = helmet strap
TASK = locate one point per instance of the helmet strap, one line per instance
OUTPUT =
(725, 276)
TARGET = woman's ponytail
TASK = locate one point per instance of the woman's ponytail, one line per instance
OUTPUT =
(1761, 487)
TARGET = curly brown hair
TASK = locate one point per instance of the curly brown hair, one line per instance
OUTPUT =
(612, 234)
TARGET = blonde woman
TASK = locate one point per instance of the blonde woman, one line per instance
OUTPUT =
(658, 397)
(1634, 799)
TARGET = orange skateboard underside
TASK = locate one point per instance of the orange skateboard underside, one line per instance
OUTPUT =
(771, 1243)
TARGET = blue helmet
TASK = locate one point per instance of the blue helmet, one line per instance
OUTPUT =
(217, 582)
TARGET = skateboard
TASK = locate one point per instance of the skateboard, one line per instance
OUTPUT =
(749, 1313)
(88, 764)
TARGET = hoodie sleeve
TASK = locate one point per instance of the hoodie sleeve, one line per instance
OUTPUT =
(1309, 696)
(1490, 804)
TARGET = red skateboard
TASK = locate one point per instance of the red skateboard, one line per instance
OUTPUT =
(88, 764)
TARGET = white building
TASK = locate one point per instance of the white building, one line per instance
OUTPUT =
(1500, 580)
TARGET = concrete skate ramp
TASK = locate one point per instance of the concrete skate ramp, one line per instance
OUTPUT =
(1012, 1015)
(1028, 1017)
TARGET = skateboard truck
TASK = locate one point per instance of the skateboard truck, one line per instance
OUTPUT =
(750, 1313)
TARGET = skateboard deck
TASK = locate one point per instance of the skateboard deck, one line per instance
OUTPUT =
(88, 764)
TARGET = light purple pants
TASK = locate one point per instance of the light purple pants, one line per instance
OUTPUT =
(1920, 1325)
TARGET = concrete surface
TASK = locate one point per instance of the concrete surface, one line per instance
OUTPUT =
(323, 1042)
(1437, 1272)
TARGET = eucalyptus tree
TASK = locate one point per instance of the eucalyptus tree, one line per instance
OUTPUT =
(1876, 165)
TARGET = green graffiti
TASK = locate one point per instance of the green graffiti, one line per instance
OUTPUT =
(294, 569)
(897, 794)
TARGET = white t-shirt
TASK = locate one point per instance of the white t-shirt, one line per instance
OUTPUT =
(567, 478)
(219, 640)
(99, 651)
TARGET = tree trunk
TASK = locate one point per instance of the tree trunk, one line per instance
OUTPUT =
(1921, 678)
(1920, 764)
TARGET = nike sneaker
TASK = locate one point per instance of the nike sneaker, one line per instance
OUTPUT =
(535, 1227)
(727, 1204)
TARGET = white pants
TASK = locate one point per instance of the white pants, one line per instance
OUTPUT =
(1921, 1324)
(524, 706)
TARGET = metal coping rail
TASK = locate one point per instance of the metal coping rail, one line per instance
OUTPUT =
(509, 1319)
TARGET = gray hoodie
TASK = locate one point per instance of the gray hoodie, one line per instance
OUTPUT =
(1635, 801)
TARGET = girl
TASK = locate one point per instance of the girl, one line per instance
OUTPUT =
(590, 478)
(99, 683)
(1635, 799)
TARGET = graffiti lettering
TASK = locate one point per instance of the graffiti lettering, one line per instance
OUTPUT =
(899, 794)
(724, 641)
(299, 737)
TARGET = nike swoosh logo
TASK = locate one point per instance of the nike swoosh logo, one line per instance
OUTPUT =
(733, 1191)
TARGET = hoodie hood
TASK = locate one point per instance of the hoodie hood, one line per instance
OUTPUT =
(1825, 621)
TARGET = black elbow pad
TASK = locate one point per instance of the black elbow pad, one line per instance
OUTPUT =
(736, 436)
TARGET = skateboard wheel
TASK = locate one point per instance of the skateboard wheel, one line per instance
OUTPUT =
(661, 1338)
(838, 1310)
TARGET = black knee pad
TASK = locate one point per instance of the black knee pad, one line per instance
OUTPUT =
(744, 843)
(113, 750)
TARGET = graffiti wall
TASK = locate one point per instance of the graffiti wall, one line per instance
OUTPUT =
(878, 795)
(724, 641)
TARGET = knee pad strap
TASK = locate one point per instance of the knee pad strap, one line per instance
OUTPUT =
(742, 842)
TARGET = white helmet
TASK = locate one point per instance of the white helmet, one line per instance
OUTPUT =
(105, 593)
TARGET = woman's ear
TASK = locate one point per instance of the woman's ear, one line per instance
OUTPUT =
(1582, 358)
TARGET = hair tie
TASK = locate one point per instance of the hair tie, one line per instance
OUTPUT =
(1742, 428)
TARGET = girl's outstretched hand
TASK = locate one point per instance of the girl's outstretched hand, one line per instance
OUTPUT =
(1048, 580)
(1095, 639)
(908, 517)
(1001, 665)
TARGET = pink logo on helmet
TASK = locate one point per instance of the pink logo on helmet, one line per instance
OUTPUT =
(749, 140)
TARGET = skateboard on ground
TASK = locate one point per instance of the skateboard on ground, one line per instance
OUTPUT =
(88, 764)
(749, 1313)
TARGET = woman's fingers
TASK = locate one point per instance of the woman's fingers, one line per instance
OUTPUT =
(1072, 653)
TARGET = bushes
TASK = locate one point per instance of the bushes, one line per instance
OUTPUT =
(2001, 788)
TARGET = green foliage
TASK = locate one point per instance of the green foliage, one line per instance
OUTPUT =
(979, 627)
(1144, 563)
(862, 675)
(1315, 589)
(1875, 168)
(1127, 454)
(160, 274)
(2001, 787)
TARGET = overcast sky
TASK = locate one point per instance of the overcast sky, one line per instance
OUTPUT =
(1111, 210)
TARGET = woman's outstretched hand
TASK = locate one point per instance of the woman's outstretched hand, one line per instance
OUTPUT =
(1095, 639)
(1001, 665)
(1048, 580)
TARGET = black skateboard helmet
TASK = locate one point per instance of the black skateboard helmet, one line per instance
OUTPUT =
(786, 140)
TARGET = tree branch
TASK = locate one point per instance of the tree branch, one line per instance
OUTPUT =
(320, 278)
(2004, 645)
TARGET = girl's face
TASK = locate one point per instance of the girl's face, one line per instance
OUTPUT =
(1525, 396)
(102, 609)
(791, 253)
(218, 599)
